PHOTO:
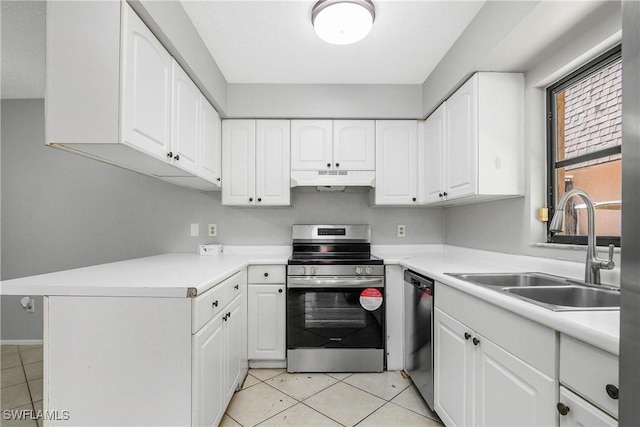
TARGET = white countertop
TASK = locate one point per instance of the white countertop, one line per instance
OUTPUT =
(168, 275)
(171, 275)
(598, 328)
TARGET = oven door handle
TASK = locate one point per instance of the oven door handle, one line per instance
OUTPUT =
(300, 282)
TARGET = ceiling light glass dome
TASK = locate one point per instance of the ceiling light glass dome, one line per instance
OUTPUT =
(343, 22)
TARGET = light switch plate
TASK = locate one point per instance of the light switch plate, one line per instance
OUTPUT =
(195, 230)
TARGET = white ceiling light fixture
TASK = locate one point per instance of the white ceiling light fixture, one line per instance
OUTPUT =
(343, 21)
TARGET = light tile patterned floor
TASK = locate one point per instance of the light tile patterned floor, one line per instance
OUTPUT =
(269, 397)
(21, 378)
(272, 397)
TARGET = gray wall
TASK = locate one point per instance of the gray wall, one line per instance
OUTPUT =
(510, 226)
(62, 211)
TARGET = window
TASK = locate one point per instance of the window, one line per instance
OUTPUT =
(584, 112)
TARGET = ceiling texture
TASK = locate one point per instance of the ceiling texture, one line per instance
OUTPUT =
(274, 41)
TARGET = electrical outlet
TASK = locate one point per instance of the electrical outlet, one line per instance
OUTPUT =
(195, 230)
(213, 230)
(401, 231)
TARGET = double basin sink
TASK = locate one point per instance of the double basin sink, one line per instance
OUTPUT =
(553, 292)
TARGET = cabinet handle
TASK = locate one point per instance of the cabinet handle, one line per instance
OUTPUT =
(170, 154)
(279, 291)
(259, 199)
(236, 287)
(337, 165)
(215, 303)
(328, 165)
(228, 314)
(476, 341)
(251, 199)
(224, 317)
(562, 408)
(177, 157)
(467, 335)
(612, 391)
(444, 194)
(218, 179)
(266, 274)
(414, 199)
(440, 194)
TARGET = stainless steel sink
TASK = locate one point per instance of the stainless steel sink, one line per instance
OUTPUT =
(502, 280)
(570, 297)
(553, 292)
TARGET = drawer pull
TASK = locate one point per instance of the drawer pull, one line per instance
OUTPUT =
(214, 304)
(228, 315)
(467, 335)
(562, 408)
(266, 274)
(279, 291)
(476, 341)
(224, 317)
(612, 391)
(236, 287)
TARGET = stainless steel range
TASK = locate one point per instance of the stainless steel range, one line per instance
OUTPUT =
(335, 301)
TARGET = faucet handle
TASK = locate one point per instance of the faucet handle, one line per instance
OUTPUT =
(608, 264)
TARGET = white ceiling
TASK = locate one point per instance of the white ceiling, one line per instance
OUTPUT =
(269, 41)
(23, 43)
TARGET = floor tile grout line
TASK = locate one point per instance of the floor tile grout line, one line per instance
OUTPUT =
(323, 414)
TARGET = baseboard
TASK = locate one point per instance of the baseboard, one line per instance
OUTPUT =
(21, 342)
(257, 364)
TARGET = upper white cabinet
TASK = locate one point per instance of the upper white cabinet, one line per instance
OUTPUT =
(475, 141)
(146, 88)
(396, 162)
(211, 140)
(115, 94)
(332, 145)
(255, 158)
(185, 122)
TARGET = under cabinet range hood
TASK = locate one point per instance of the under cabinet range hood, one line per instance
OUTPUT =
(333, 178)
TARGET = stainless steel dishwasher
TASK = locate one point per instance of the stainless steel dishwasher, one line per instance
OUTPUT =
(418, 332)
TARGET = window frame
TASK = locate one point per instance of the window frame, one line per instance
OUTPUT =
(591, 67)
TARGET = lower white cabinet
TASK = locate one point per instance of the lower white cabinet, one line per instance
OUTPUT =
(588, 384)
(575, 411)
(478, 380)
(158, 361)
(219, 348)
(266, 316)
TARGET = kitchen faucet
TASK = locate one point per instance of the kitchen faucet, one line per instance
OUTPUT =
(593, 264)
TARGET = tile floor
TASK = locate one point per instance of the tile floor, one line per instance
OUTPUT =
(272, 397)
(21, 379)
(269, 397)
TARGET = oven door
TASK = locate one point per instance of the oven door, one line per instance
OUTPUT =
(335, 313)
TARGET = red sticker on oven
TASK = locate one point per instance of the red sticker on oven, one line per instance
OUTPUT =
(371, 299)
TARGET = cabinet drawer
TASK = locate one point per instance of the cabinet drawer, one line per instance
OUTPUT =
(207, 305)
(581, 412)
(267, 274)
(587, 370)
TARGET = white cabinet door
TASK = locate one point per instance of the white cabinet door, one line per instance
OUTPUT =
(434, 156)
(210, 140)
(272, 163)
(234, 335)
(185, 124)
(509, 391)
(354, 145)
(238, 162)
(146, 88)
(461, 128)
(454, 371)
(582, 413)
(396, 162)
(311, 145)
(266, 322)
(208, 371)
